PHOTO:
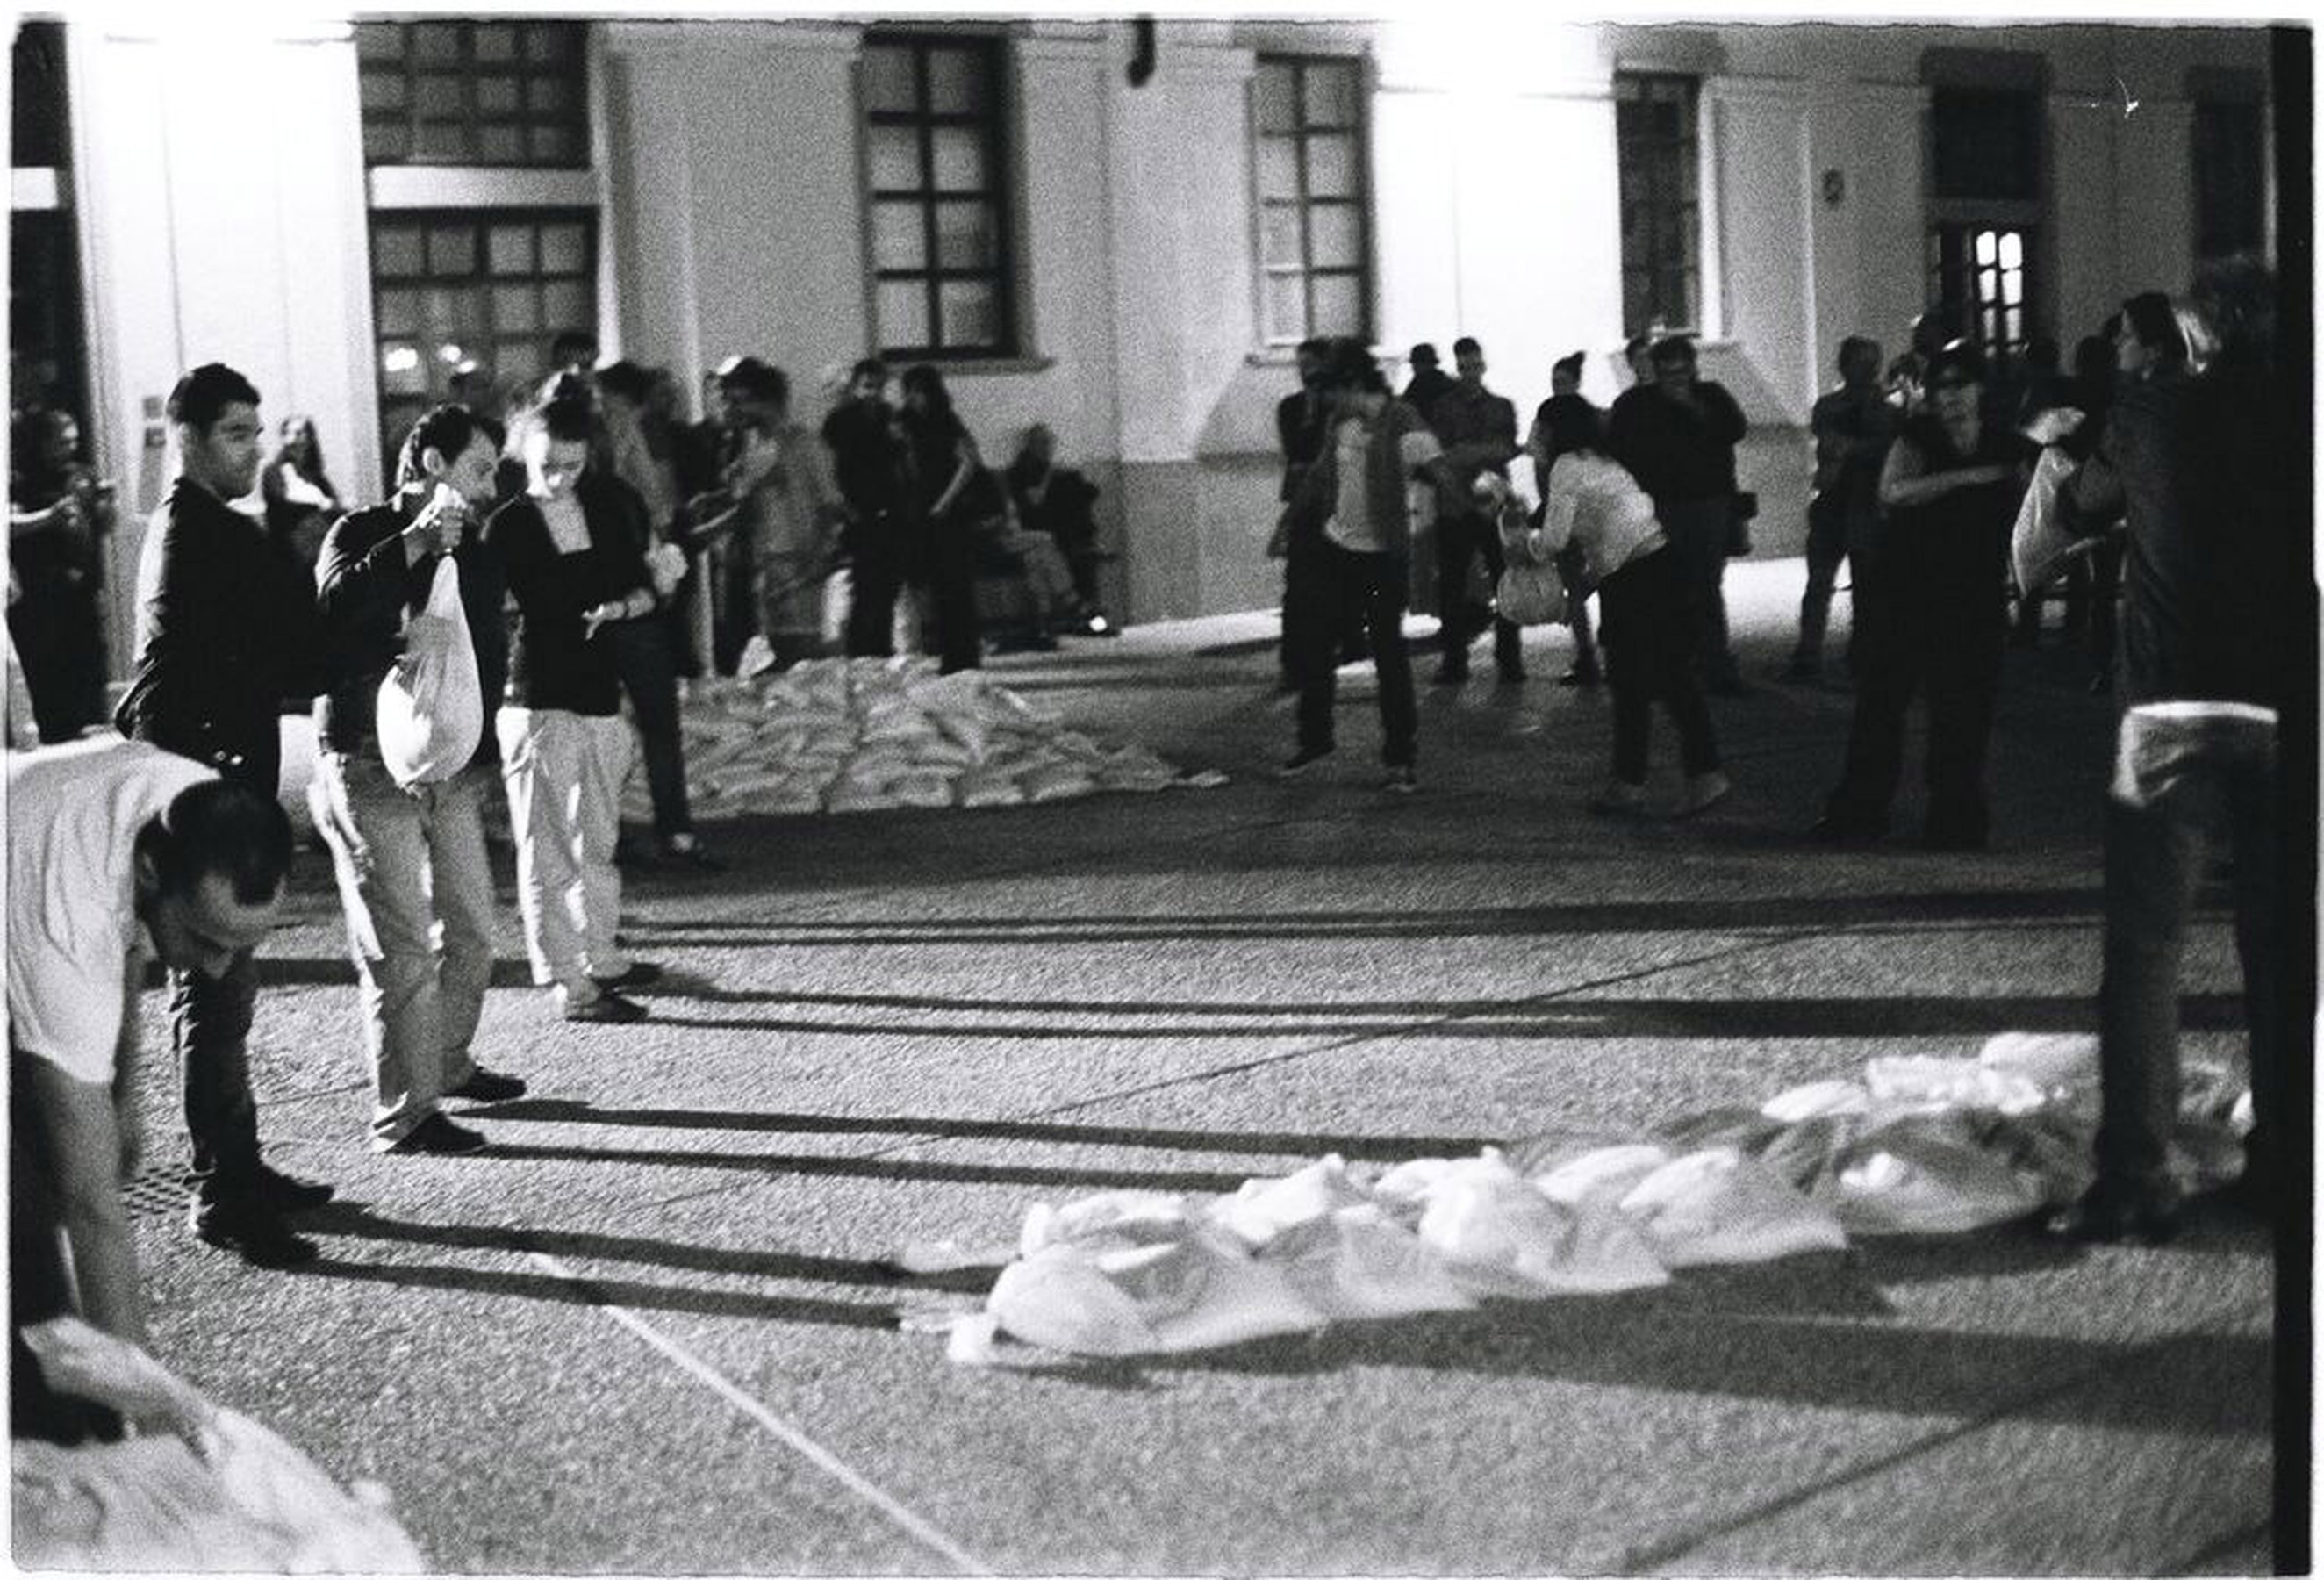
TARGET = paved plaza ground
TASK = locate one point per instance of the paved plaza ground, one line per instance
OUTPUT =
(653, 1328)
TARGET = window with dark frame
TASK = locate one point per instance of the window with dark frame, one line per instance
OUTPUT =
(1659, 178)
(40, 133)
(937, 155)
(1977, 278)
(47, 354)
(1986, 184)
(489, 286)
(2229, 138)
(504, 92)
(1314, 249)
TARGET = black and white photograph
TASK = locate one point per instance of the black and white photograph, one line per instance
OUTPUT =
(1350, 788)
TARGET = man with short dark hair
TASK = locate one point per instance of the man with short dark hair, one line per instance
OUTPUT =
(118, 853)
(573, 351)
(1351, 551)
(413, 875)
(227, 629)
(1853, 426)
(1302, 421)
(1479, 431)
(1429, 383)
(867, 459)
(1677, 436)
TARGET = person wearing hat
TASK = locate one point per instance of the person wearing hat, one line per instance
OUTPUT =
(1931, 611)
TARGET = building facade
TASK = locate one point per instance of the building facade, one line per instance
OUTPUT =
(1117, 228)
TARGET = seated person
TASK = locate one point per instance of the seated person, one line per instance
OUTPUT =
(1009, 554)
(1055, 500)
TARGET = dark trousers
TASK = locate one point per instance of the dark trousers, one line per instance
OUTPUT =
(1459, 540)
(209, 1027)
(1699, 531)
(1832, 538)
(1649, 643)
(2156, 856)
(57, 627)
(1332, 587)
(1907, 645)
(875, 574)
(40, 1279)
(951, 562)
(649, 669)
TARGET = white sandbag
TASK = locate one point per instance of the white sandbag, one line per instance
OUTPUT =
(1054, 782)
(1718, 1207)
(1129, 1217)
(922, 789)
(1405, 1189)
(1058, 1298)
(1354, 1262)
(1815, 1099)
(430, 711)
(850, 795)
(757, 658)
(2055, 1061)
(1920, 1081)
(1602, 1174)
(1207, 1290)
(939, 752)
(1927, 1174)
(978, 788)
(1500, 1236)
(1263, 1208)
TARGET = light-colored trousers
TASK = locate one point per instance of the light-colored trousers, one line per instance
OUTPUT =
(418, 892)
(564, 772)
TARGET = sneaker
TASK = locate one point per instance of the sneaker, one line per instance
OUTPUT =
(488, 1086)
(1704, 791)
(640, 973)
(607, 1009)
(2118, 1210)
(1400, 780)
(1619, 799)
(437, 1137)
(287, 1193)
(250, 1228)
(1580, 675)
(1301, 761)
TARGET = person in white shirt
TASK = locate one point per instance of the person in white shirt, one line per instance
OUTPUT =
(118, 853)
(1594, 505)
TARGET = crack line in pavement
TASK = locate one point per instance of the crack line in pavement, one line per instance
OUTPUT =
(1670, 1549)
(822, 1458)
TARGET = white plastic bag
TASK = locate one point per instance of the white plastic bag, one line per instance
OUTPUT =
(1717, 1206)
(432, 705)
(1530, 594)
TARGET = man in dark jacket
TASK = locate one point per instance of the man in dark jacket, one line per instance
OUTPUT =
(867, 462)
(2196, 467)
(1677, 436)
(226, 629)
(413, 874)
(1478, 430)
(1301, 420)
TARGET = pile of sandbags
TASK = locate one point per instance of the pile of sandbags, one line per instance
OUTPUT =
(212, 1491)
(863, 735)
(1916, 1146)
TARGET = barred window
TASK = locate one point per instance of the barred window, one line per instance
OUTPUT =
(937, 153)
(1658, 177)
(1314, 253)
(501, 93)
(494, 287)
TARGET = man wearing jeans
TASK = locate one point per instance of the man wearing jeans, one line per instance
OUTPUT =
(227, 629)
(410, 859)
(1350, 534)
(2200, 469)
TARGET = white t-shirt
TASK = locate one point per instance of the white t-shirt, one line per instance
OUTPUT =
(1351, 525)
(74, 813)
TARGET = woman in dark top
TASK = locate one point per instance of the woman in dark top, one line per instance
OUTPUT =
(943, 461)
(572, 550)
(60, 516)
(301, 502)
(1934, 616)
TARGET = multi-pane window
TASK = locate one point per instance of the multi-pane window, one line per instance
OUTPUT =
(41, 137)
(1659, 175)
(1987, 144)
(499, 93)
(494, 287)
(1314, 245)
(1978, 276)
(937, 155)
(2230, 177)
(45, 340)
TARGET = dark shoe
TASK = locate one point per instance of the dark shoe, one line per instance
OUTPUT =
(1512, 674)
(1833, 829)
(1400, 780)
(1451, 675)
(1580, 675)
(1952, 837)
(488, 1086)
(607, 1009)
(437, 1137)
(640, 973)
(2113, 1210)
(682, 850)
(1730, 686)
(287, 1193)
(2102, 682)
(1301, 761)
(247, 1226)
(1803, 668)
(1619, 799)
(1703, 792)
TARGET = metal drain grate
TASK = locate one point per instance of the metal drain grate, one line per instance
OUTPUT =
(156, 1191)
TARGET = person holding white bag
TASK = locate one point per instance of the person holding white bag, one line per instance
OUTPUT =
(404, 769)
(572, 547)
(1596, 506)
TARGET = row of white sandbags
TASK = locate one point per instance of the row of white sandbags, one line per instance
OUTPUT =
(1918, 1146)
(861, 734)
